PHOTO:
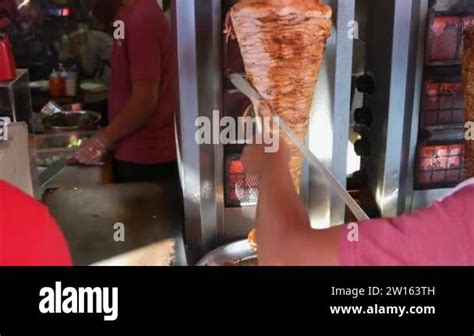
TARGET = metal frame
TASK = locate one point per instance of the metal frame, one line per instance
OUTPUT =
(396, 104)
(20, 82)
(329, 125)
(417, 199)
(200, 94)
(199, 44)
(395, 64)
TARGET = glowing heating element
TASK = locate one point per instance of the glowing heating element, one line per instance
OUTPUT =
(443, 104)
(241, 189)
(445, 41)
(440, 165)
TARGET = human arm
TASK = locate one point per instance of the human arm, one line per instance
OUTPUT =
(143, 45)
(139, 108)
(284, 234)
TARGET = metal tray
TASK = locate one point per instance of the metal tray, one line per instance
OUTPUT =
(227, 254)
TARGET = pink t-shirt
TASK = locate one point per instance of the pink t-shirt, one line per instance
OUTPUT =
(441, 235)
(146, 53)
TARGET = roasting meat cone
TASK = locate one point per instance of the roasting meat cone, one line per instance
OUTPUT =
(468, 81)
(283, 44)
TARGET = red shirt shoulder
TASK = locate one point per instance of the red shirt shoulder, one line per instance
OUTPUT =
(29, 236)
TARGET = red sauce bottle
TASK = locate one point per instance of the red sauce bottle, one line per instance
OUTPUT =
(55, 84)
(7, 62)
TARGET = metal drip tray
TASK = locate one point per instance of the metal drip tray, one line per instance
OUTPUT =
(235, 254)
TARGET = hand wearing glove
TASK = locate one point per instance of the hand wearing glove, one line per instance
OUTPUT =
(93, 150)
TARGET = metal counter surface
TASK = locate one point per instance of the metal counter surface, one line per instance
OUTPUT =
(151, 215)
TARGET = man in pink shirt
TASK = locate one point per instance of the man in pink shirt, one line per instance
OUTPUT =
(142, 100)
(441, 235)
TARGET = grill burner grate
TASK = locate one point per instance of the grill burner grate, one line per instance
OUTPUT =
(240, 189)
(440, 166)
(445, 41)
(443, 104)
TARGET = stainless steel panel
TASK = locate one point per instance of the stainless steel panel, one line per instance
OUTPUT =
(392, 59)
(198, 28)
(15, 97)
(425, 198)
(198, 45)
(217, 101)
(150, 214)
(407, 183)
(184, 26)
(329, 125)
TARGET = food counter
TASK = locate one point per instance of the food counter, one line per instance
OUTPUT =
(151, 215)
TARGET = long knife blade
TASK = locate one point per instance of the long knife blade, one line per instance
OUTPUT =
(51, 172)
(244, 86)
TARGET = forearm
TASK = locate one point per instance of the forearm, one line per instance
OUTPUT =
(281, 216)
(133, 116)
(284, 233)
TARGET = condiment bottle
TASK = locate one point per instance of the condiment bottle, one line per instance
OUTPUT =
(55, 84)
(70, 85)
(62, 79)
(7, 62)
